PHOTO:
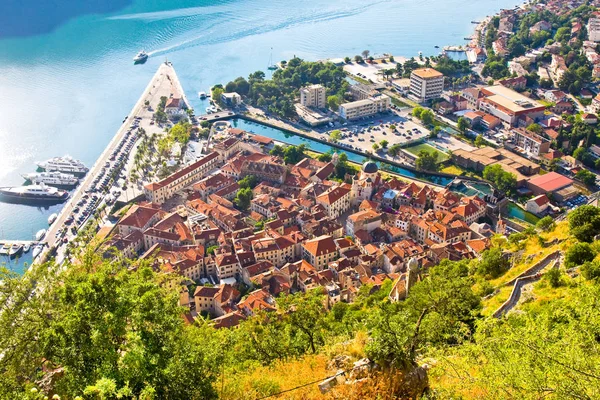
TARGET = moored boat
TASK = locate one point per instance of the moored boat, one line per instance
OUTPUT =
(37, 250)
(52, 178)
(33, 194)
(63, 164)
(40, 234)
(26, 247)
(52, 218)
(15, 249)
(5, 249)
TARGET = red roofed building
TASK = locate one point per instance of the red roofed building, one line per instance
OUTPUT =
(550, 182)
(159, 192)
(335, 201)
(320, 251)
(538, 205)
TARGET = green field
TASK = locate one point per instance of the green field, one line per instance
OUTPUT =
(423, 146)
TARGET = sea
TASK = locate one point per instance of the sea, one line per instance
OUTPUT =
(67, 79)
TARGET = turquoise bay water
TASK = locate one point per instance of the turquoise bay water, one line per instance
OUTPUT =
(67, 80)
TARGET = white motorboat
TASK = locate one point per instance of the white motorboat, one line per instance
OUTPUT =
(15, 249)
(52, 218)
(140, 57)
(40, 234)
(202, 95)
(5, 249)
(63, 164)
(37, 250)
(26, 248)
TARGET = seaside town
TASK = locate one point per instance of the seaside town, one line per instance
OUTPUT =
(470, 178)
(510, 130)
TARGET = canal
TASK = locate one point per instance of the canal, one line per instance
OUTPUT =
(290, 138)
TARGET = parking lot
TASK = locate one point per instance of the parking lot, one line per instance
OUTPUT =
(392, 127)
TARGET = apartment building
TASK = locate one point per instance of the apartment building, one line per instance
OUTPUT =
(365, 108)
(367, 220)
(593, 28)
(531, 142)
(336, 201)
(159, 192)
(426, 84)
(313, 96)
(320, 251)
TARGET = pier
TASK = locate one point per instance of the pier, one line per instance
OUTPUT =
(163, 83)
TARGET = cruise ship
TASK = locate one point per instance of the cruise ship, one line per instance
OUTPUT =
(34, 194)
(63, 164)
(52, 178)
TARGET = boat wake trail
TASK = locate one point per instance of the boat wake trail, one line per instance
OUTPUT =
(211, 34)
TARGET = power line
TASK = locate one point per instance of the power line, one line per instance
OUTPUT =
(309, 383)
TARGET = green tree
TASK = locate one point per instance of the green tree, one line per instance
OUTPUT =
(587, 177)
(536, 128)
(383, 144)
(546, 224)
(243, 198)
(584, 222)
(427, 117)
(480, 141)
(335, 135)
(109, 328)
(394, 150)
(504, 181)
(493, 263)
(578, 254)
(375, 147)
(249, 181)
(463, 124)
(333, 102)
(304, 313)
(427, 161)
(347, 60)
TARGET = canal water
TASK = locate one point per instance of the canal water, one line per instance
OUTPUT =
(285, 137)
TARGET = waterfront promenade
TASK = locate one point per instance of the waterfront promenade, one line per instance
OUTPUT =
(163, 83)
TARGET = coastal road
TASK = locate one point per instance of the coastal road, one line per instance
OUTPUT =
(163, 83)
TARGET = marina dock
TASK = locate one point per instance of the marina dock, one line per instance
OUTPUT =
(163, 83)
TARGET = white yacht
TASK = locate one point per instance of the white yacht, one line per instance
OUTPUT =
(140, 57)
(15, 249)
(33, 194)
(37, 250)
(5, 249)
(26, 247)
(63, 164)
(52, 218)
(52, 178)
(40, 234)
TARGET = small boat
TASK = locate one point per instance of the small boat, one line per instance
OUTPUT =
(202, 95)
(37, 250)
(26, 248)
(52, 218)
(5, 249)
(15, 249)
(40, 234)
(140, 57)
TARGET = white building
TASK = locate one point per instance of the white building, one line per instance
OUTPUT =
(313, 96)
(426, 84)
(365, 108)
(593, 28)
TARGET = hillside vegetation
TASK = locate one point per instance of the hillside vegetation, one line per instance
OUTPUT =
(108, 330)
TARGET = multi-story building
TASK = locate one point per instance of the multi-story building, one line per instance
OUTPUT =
(593, 28)
(365, 108)
(159, 192)
(509, 106)
(313, 96)
(278, 251)
(363, 220)
(336, 201)
(426, 84)
(531, 142)
(320, 251)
